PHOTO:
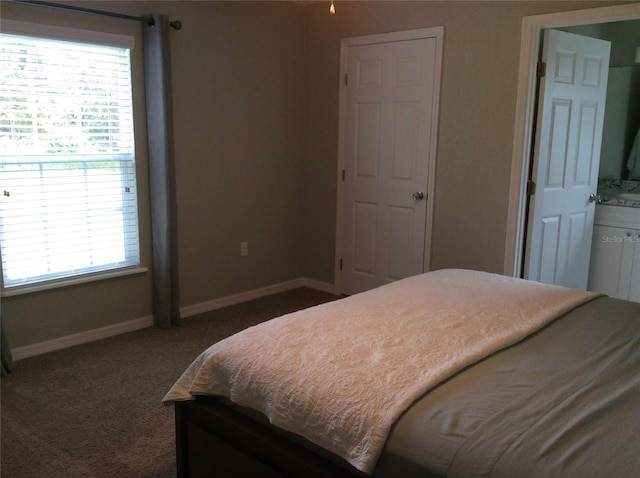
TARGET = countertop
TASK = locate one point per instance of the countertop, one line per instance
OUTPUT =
(615, 192)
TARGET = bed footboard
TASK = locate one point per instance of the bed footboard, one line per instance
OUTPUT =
(214, 440)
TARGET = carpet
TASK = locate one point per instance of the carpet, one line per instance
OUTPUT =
(94, 410)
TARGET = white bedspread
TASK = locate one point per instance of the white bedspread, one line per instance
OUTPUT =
(341, 373)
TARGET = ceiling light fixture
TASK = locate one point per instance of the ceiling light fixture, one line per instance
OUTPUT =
(332, 9)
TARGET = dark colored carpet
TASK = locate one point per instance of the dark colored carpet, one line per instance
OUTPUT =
(95, 410)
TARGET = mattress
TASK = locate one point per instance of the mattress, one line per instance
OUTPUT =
(340, 374)
(563, 402)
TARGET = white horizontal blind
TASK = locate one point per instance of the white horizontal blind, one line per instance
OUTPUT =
(67, 162)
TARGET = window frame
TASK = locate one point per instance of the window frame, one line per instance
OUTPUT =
(53, 32)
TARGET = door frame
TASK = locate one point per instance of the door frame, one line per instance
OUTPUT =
(532, 28)
(345, 43)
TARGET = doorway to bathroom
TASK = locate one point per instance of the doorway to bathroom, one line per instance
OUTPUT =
(593, 22)
(566, 155)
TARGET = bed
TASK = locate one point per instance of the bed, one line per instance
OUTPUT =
(449, 373)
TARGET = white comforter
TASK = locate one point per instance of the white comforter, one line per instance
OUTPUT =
(341, 373)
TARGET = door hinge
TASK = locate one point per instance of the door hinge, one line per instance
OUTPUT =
(343, 175)
(541, 69)
(346, 80)
(340, 264)
(531, 188)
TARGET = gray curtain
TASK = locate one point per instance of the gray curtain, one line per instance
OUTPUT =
(5, 351)
(157, 62)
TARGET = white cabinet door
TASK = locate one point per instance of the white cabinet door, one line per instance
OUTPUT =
(612, 258)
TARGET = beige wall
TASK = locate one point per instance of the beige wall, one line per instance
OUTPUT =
(256, 128)
(239, 95)
(477, 111)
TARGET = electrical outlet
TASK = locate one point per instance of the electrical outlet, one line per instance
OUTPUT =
(244, 249)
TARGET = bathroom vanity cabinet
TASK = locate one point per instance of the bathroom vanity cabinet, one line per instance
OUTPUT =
(615, 252)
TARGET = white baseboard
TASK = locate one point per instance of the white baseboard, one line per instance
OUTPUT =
(202, 307)
(137, 324)
(318, 285)
(52, 345)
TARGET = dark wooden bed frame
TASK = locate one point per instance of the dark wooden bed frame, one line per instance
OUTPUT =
(213, 440)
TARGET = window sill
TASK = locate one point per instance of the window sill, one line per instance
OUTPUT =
(69, 281)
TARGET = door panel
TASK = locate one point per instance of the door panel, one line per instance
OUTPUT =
(389, 105)
(364, 234)
(405, 140)
(401, 225)
(566, 159)
(558, 145)
(584, 169)
(368, 119)
(549, 248)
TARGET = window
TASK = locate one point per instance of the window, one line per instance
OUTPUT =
(67, 162)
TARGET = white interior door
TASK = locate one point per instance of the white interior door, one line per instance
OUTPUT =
(388, 127)
(566, 159)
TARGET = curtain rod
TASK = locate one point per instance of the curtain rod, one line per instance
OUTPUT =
(176, 25)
